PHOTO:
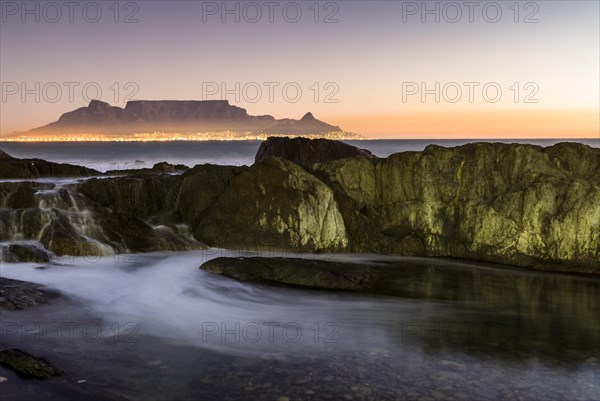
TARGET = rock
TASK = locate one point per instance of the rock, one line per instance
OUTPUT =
(162, 167)
(16, 294)
(165, 167)
(12, 168)
(304, 151)
(62, 238)
(201, 187)
(4, 155)
(24, 252)
(98, 217)
(131, 234)
(133, 195)
(512, 204)
(298, 272)
(17, 195)
(23, 224)
(3, 379)
(274, 204)
(28, 365)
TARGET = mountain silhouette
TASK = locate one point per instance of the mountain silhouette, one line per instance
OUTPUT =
(184, 116)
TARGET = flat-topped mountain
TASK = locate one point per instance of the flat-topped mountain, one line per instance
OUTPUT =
(183, 116)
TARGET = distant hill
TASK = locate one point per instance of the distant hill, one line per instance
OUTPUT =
(177, 116)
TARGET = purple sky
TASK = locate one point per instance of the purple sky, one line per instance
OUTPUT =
(359, 63)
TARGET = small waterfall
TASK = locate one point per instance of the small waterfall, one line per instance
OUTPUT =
(67, 222)
(24, 224)
(35, 217)
(52, 198)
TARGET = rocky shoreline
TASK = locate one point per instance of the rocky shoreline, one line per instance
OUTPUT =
(513, 204)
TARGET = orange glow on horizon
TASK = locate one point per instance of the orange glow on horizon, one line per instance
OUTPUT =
(482, 124)
(499, 124)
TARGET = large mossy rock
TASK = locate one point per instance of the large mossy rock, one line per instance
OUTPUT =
(514, 204)
(274, 204)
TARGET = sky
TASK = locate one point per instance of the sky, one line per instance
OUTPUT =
(389, 69)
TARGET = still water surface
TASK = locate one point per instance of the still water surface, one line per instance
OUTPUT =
(155, 327)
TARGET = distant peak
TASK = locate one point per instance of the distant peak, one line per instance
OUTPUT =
(98, 103)
(308, 116)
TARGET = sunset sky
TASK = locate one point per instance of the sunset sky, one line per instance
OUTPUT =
(364, 69)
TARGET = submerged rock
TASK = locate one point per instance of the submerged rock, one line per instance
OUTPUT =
(311, 273)
(15, 294)
(304, 151)
(28, 365)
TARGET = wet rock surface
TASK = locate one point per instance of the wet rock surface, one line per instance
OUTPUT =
(162, 167)
(36, 168)
(304, 151)
(24, 252)
(274, 204)
(15, 294)
(512, 204)
(28, 365)
(310, 273)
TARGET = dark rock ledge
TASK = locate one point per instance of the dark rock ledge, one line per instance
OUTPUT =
(15, 294)
(311, 273)
(28, 365)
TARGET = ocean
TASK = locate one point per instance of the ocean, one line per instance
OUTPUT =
(104, 156)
